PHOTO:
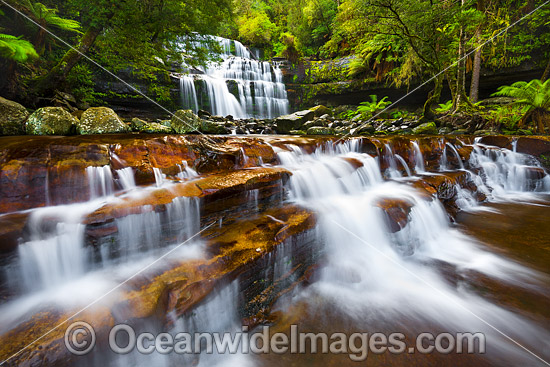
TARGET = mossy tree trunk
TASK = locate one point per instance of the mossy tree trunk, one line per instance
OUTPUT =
(433, 98)
(57, 76)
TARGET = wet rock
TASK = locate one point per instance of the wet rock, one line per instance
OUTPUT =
(185, 122)
(100, 120)
(320, 130)
(427, 128)
(237, 251)
(149, 127)
(320, 110)
(51, 121)
(396, 212)
(293, 121)
(12, 117)
(297, 132)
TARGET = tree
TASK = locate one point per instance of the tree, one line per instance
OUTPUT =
(146, 36)
(534, 96)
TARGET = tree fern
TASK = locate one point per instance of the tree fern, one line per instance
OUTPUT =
(50, 17)
(15, 48)
(534, 96)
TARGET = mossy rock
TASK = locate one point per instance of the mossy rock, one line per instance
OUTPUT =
(12, 117)
(185, 122)
(297, 132)
(211, 127)
(459, 132)
(427, 128)
(51, 121)
(149, 127)
(293, 121)
(320, 130)
(320, 110)
(100, 120)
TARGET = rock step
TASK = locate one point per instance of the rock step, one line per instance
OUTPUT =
(234, 252)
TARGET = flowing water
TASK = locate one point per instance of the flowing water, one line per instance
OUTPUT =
(374, 277)
(240, 85)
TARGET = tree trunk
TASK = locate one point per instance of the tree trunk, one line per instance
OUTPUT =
(461, 70)
(57, 76)
(546, 73)
(433, 98)
(476, 71)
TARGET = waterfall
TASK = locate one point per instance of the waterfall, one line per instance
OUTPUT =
(100, 180)
(240, 86)
(379, 275)
(188, 93)
(126, 178)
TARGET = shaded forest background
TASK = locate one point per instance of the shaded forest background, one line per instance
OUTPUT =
(397, 42)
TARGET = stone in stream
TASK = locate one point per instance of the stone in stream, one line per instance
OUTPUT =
(12, 117)
(149, 127)
(396, 212)
(427, 128)
(100, 120)
(51, 121)
(293, 121)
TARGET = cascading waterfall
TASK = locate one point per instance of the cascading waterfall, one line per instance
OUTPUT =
(100, 180)
(372, 273)
(240, 86)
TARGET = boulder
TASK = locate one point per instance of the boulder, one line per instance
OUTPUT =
(185, 122)
(427, 128)
(12, 117)
(100, 120)
(211, 127)
(366, 129)
(320, 110)
(51, 121)
(293, 121)
(320, 130)
(149, 127)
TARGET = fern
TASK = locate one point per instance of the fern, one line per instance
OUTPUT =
(15, 48)
(444, 107)
(370, 108)
(50, 17)
(534, 96)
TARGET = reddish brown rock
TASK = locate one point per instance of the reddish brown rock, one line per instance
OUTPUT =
(396, 212)
(174, 291)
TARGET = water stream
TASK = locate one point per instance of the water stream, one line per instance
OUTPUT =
(374, 274)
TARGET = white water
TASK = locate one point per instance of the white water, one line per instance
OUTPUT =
(100, 180)
(378, 278)
(126, 178)
(371, 274)
(260, 91)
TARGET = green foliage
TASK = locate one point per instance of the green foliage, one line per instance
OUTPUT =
(533, 94)
(370, 108)
(81, 84)
(256, 29)
(534, 97)
(16, 49)
(48, 16)
(507, 116)
(444, 107)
